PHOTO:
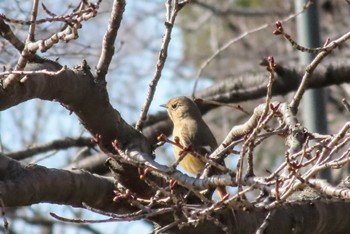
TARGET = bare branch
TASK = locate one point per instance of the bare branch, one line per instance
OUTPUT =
(22, 61)
(6, 32)
(68, 34)
(109, 40)
(54, 145)
(43, 72)
(2, 210)
(346, 104)
(265, 224)
(311, 67)
(161, 61)
(31, 34)
(238, 11)
(253, 86)
(111, 127)
(39, 184)
(330, 190)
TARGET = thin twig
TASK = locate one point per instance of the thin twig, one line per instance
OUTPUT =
(294, 104)
(66, 35)
(280, 31)
(167, 227)
(3, 214)
(137, 216)
(160, 63)
(346, 104)
(54, 145)
(31, 35)
(43, 72)
(22, 61)
(265, 224)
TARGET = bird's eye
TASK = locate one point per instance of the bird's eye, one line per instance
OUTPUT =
(174, 106)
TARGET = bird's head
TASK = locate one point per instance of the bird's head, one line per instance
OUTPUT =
(182, 107)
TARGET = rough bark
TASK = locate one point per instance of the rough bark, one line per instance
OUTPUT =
(24, 185)
(79, 93)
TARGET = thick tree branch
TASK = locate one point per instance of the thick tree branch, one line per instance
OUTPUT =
(298, 217)
(37, 184)
(91, 106)
(251, 87)
(92, 163)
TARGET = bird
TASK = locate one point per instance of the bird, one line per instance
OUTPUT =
(192, 133)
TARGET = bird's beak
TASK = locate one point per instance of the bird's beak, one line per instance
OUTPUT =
(163, 105)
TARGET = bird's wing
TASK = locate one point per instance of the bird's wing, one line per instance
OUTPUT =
(186, 138)
(189, 140)
(205, 140)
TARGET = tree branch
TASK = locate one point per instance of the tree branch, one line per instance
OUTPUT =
(26, 52)
(239, 11)
(111, 126)
(311, 67)
(7, 33)
(54, 145)
(91, 106)
(37, 184)
(163, 53)
(251, 87)
(109, 40)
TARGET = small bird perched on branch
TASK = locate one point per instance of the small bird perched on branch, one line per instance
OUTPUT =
(192, 133)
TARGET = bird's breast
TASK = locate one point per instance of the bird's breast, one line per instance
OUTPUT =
(190, 163)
